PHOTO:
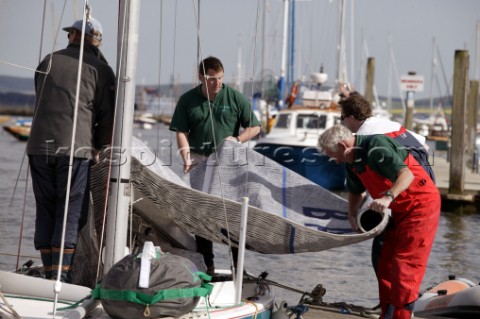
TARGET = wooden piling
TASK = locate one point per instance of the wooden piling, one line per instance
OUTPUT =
(459, 111)
(370, 79)
(472, 115)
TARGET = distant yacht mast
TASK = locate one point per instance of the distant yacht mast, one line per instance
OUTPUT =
(477, 44)
(283, 67)
(341, 71)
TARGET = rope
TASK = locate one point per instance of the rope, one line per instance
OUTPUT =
(9, 307)
(172, 105)
(20, 66)
(110, 155)
(72, 148)
(252, 78)
(345, 308)
(42, 31)
(254, 305)
(210, 112)
(15, 255)
(160, 34)
(24, 209)
(25, 150)
(69, 305)
(197, 23)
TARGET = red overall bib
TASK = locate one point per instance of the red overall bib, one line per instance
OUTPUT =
(408, 238)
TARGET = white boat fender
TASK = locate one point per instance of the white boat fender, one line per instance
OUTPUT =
(368, 219)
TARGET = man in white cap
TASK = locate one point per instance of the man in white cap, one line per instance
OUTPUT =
(49, 143)
(93, 31)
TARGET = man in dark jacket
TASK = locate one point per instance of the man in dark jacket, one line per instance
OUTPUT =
(50, 140)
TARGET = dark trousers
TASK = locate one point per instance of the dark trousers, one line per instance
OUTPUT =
(205, 247)
(377, 245)
(197, 176)
(49, 181)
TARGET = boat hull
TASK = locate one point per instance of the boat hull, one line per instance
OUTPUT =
(21, 133)
(456, 298)
(33, 298)
(306, 161)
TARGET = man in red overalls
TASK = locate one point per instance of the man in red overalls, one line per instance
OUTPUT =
(395, 180)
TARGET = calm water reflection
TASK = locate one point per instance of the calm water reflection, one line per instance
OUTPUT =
(345, 272)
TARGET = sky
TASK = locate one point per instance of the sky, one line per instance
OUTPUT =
(399, 35)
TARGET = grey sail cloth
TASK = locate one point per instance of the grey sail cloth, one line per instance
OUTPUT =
(287, 213)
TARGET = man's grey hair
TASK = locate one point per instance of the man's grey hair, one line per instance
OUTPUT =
(330, 139)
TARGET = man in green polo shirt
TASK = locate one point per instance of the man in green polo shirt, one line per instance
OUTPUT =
(204, 117)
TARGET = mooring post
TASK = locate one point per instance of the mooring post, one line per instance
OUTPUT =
(370, 79)
(459, 113)
(472, 124)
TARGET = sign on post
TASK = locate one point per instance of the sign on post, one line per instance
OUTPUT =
(412, 83)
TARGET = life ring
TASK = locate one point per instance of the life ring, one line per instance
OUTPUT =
(293, 94)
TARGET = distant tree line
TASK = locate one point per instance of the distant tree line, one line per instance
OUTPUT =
(17, 103)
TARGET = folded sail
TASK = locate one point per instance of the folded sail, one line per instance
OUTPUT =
(288, 213)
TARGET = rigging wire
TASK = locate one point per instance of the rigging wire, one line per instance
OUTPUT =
(160, 35)
(111, 151)
(174, 63)
(447, 97)
(217, 162)
(252, 76)
(25, 150)
(58, 283)
(42, 32)
(200, 54)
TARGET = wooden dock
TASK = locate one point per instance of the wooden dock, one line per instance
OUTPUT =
(469, 201)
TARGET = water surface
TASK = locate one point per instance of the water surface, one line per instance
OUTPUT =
(345, 272)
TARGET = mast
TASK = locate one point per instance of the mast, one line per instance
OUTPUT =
(432, 74)
(119, 197)
(341, 76)
(239, 80)
(264, 38)
(477, 44)
(198, 35)
(390, 72)
(291, 66)
(283, 66)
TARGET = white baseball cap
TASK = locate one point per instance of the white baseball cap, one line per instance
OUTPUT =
(91, 26)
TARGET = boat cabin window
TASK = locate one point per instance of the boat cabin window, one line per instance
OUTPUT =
(283, 120)
(311, 121)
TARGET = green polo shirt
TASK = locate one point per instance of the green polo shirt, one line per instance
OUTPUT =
(230, 110)
(381, 154)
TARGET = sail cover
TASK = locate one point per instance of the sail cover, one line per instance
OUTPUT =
(287, 213)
